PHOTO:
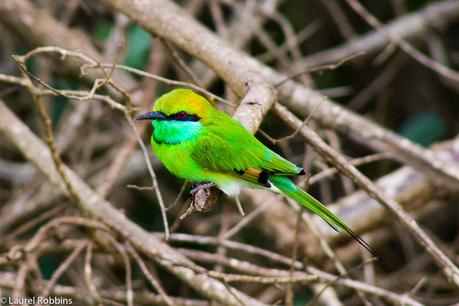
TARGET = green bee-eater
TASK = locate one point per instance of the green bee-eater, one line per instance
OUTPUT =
(197, 142)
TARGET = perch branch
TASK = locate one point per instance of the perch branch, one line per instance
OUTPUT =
(173, 24)
(98, 208)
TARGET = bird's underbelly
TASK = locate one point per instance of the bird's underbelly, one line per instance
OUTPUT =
(177, 160)
(190, 170)
(232, 185)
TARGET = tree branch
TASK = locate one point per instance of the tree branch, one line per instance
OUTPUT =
(173, 24)
(98, 208)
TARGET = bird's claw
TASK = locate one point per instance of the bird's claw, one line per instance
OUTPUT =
(203, 198)
(195, 187)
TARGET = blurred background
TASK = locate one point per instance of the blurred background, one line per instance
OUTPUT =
(372, 78)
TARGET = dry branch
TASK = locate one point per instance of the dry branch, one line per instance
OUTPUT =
(97, 207)
(39, 28)
(210, 49)
(144, 298)
(444, 263)
(406, 27)
(236, 68)
(175, 25)
(258, 97)
(311, 275)
(363, 213)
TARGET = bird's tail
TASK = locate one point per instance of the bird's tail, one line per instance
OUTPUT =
(294, 192)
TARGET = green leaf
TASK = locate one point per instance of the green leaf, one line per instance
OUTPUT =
(424, 128)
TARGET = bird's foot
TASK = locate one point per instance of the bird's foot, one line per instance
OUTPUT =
(203, 198)
(195, 187)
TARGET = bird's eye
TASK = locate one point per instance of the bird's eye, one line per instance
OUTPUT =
(181, 115)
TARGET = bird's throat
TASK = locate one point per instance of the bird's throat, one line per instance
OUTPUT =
(174, 132)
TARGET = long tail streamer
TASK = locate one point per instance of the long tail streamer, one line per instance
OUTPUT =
(295, 193)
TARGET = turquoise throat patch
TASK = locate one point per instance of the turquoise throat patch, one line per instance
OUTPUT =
(175, 132)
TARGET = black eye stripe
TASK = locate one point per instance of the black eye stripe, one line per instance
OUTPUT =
(192, 118)
(183, 116)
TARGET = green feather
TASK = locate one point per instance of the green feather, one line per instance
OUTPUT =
(299, 195)
(227, 147)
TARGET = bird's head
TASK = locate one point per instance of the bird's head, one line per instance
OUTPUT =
(180, 105)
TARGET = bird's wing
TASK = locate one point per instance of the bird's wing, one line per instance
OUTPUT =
(229, 148)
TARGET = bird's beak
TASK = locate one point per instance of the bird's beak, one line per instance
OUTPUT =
(152, 116)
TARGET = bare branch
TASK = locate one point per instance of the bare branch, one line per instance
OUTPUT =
(446, 266)
(102, 210)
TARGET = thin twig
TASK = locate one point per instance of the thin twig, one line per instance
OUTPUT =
(88, 274)
(62, 268)
(239, 206)
(320, 68)
(149, 276)
(448, 268)
(142, 73)
(154, 179)
(181, 63)
(402, 44)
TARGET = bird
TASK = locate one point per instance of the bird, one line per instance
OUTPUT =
(199, 143)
